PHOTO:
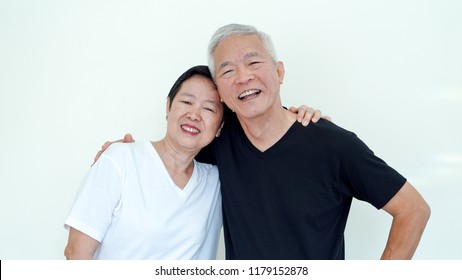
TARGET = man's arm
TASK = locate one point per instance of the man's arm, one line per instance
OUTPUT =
(410, 215)
(80, 246)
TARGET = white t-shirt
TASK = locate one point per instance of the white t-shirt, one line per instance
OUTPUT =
(129, 203)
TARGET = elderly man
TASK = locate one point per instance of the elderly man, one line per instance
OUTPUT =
(287, 189)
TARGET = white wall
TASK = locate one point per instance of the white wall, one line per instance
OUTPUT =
(74, 74)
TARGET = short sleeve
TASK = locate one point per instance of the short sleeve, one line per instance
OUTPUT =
(98, 196)
(367, 176)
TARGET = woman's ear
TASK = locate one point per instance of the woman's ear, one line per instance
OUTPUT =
(219, 130)
(167, 108)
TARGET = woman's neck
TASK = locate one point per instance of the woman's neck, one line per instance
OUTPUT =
(179, 164)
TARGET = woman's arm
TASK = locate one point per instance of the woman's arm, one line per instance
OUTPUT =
(80, 246)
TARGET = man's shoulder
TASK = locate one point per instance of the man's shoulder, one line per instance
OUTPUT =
(329, 128)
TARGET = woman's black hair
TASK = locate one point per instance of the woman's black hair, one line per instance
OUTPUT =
(200, 70)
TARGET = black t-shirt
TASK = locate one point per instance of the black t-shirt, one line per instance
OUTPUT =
(292, 201)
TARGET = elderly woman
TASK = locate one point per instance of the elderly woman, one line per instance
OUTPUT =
(152, 200)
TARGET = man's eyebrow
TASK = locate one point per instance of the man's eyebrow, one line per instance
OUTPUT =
(223, 65)
(246, 56)
(251, 54)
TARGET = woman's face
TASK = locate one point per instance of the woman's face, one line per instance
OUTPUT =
(195, 114)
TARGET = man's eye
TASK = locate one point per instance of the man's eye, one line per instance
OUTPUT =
(227, 73)
(186, 102)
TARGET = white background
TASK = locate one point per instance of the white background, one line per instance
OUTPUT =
(74, 74)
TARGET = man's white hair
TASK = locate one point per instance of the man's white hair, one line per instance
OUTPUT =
(235, 29)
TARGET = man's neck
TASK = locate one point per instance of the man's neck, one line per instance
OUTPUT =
(264, 131)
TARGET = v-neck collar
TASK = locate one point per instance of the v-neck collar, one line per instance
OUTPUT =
(274, 148)
(188, 188)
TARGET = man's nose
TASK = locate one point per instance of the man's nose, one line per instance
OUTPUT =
(243, 75)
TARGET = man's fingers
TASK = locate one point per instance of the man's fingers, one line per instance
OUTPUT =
(304, 114)
(128, 138)
(97, 156)
(327, 118)
(293, 109)
(316, 116)
(106, 145)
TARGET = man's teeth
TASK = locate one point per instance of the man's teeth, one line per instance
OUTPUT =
(190, 129)
(248, 92)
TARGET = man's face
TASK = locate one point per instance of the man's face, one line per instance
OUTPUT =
(247, 78)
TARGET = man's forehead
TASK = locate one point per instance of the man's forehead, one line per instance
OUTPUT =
(224, 55)
(239, 38)
(247, 55)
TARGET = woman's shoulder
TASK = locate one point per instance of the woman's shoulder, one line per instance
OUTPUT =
(207, 169)
(123, 150)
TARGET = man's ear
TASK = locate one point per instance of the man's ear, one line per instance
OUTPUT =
(281, 71)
